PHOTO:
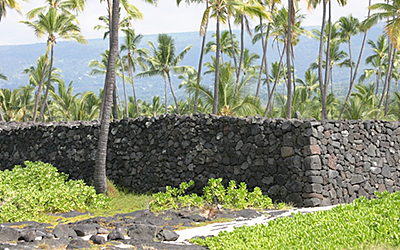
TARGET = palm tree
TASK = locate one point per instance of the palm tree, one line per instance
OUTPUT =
(11, 4)
(230, 103)
(362, 104)
(99, 176)
(378, 60)
(348, 27)
(190, 83)
(323, 81)
(390, 12)
(63, 101)
(100, 68)
(134, 57)
(310, 83)
(61, 6)
(228, 45)
(353, 77)
(55, 26)
(203, 33)
(163, 60)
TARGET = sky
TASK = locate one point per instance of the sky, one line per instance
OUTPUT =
(166, 17)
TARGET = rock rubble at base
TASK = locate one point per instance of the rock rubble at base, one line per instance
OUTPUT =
(136, 229)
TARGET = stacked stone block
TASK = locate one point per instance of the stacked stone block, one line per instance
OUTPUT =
(305, 162)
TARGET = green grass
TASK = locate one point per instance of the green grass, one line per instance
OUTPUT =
(38, 192)
(363, 224)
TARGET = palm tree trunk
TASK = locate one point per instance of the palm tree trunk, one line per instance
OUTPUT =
(203, 43)
(99, 175)
(322, 87)
(1, 115)
(173, 94)
(288, 54)
(233, 46)
(216, 83)
(48, 83)
(123, 84)
(353, 79)
(241, 52)
(270, 98)
(387, 77)
(115, 101)
(40, 86)
(133, 89)
(165, 95)
(389, 81)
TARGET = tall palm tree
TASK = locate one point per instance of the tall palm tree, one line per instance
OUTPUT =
(390, 12)
(100, 68)
(215, 9)
(348, 27)
(323, 79)
(163, 60)
(63, 101)
(378, 60)
(360, 56)
(238, 104)
(62, 6)
(54, 25)
(99, 175)
(203, 33)
(10, 4)
(135, 57)
(228, 45)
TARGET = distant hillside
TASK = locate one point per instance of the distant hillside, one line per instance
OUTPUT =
(73, 59)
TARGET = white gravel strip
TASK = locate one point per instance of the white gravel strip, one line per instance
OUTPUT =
(214, 229)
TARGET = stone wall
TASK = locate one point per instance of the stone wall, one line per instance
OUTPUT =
(307, 162)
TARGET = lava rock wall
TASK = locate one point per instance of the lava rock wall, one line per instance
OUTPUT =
(306, 162)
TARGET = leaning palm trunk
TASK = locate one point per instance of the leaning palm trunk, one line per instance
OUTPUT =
(99, 176)
(322, 87)
(40, 86)
(354, 75)
(173, 94)
(264, 63)
(390, 82)
(203, 43)
(48, 83)
(270, 97)
(288, 54)
(133, 89)
(216, 83)
(233, 47)
(165, 95)
(123, 84)
(1, 115)
(241, 53)
(387, 77)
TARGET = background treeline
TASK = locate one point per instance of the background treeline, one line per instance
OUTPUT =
(159, 71)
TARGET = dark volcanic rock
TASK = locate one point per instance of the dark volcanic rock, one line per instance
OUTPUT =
(79, 244)
(8, 234)
(144, 233)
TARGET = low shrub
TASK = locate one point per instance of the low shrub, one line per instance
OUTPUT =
(28, 192)
(233, 197)
(363, 224)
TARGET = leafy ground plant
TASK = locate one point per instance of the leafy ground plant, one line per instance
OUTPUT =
(27, 193)
(233, 197)
(363, 224)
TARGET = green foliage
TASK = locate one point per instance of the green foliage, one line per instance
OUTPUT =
(215, 193)
(27, 193)
(363, 224)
